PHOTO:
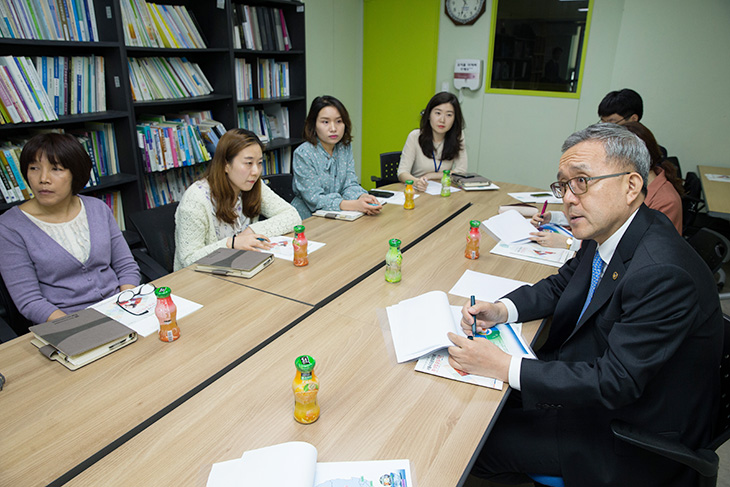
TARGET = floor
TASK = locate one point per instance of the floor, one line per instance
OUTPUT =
(723, 452)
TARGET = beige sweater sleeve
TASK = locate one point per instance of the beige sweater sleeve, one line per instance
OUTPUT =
(194, 231)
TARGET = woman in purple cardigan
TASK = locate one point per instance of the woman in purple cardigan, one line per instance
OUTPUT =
(61, 252)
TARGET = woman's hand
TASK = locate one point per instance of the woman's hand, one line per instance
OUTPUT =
(366, 203)
(550, 239)
(420, 184)
(248, 240)
(538, 219)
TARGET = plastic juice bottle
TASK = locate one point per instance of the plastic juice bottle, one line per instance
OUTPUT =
(166, 312)
(305, 386)
(300, 247)
(472, 240)
(393, 261)
(410, 196)
(446, 183)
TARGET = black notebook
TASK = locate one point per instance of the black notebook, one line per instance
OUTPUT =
(232, 262)
(79, 338)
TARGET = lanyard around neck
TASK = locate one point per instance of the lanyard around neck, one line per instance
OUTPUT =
(437, 169)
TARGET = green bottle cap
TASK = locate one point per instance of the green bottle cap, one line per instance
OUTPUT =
(304, 363)
(409, 182)
(447, 172)
(163, 292)
(475, 223)
(299, 228)
(394, 242)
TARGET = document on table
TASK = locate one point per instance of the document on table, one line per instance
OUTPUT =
(537, 197)
(282, 247)
(509, 226)
(398, 198)
(533, 252)
(484, 287)
(723, 178)
(144, 322)
(434, 188)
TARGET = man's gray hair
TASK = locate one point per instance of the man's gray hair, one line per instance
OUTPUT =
(621, 145)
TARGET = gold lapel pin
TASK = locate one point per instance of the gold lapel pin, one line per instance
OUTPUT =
(615, 276)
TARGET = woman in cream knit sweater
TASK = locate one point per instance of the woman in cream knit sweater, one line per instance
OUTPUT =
(222, 209)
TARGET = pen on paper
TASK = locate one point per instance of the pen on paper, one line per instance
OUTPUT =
(474, 324)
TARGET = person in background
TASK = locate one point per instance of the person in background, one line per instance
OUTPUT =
(635, 313)
(62, 252)
(621, 106)
(663, 193)
(324, 167)
(223, 208)
(437, 145)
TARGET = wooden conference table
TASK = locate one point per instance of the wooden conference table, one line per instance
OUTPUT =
(57, 422)
(717, 193)
(372, 407)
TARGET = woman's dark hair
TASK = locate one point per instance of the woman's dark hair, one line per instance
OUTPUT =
(625, 102)
(310, 124)
(61, 149)
(224, 196)
(655, 154)
(452, 140)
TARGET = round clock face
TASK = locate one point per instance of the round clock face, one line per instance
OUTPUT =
(464, 11)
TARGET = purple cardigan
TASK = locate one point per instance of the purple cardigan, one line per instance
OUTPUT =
(42, 276)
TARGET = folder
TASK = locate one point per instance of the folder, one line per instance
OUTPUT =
(232, 262)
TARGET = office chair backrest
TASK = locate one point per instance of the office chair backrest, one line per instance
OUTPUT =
(674, 161)
(712, 247)
(156, 228)
(722, 424)
(17, 321)
(692, 201)
(281, 184)
(388, 169)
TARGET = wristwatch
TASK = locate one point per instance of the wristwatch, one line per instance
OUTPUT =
(569, 242)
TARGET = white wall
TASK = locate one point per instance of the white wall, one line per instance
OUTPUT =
(673, 52)
(334, 57)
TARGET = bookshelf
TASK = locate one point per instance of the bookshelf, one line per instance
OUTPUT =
(215, 21)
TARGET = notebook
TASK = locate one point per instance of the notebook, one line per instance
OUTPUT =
(80, 338)
(470, 180)
(232, 262)
(339, 215)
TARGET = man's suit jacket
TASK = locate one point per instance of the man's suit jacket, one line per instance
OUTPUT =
(647, 350)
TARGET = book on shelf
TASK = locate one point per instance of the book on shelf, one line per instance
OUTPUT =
(277, 161)
(273, 78)
(278, 118)
(158, 78)
(78, 339)
(263, 467)
(244, 79)
(162, 188)
(113, 200)
(170, 141)
(255, 120)
(159, 25)
(23, 85)
(55, 20)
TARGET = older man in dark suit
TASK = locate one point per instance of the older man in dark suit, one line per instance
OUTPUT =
(636, 334)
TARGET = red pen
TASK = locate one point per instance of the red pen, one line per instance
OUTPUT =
(543, 209)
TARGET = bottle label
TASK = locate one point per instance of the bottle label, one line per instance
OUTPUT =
(170, 337)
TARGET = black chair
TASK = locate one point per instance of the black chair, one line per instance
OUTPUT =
(388, 169)
(713, 248)
(692, 202)
(674, 161)
(6, 333)
(281, 184)
(17, 322)
(704, 460)
(156, 228)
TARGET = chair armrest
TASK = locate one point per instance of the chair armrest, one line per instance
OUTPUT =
(148, 266)
(703, 461)
(6, 332)
(375, 179)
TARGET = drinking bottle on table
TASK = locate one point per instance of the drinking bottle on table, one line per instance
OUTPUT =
(300, 247)
(446, 183)
(305, 387)
(393, 260)
(166, 312)
(472, 240)
(410, 195)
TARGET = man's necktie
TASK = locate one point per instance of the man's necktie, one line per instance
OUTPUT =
(596, 270)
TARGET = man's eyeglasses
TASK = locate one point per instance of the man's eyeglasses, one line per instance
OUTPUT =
(617, 122)
(129, 299)
(579, 185)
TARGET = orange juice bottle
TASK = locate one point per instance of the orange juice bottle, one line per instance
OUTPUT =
(306, 387)
(472, 240)
(300, 247)
(410, 196)
(166, 312)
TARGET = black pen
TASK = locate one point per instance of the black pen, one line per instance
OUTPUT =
(473, 325)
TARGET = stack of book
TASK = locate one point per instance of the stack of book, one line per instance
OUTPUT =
(23, 97)
(55, 20)
(151, 25)
(170, 142)
(157, 78)
(277, 161)
(244, 80)
(273, 78)
(75, 84)
(271, 122)
(13, 186)
(167, 187)
(260, 29)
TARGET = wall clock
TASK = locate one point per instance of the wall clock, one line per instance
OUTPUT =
(465, 12)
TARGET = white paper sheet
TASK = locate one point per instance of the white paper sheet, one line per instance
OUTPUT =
(398, 198)
(533, 252)
(283, 248)
(537, 197)
(510, 226)
(434, 188)
(484, 287)
(146, 323)
(723, 178)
